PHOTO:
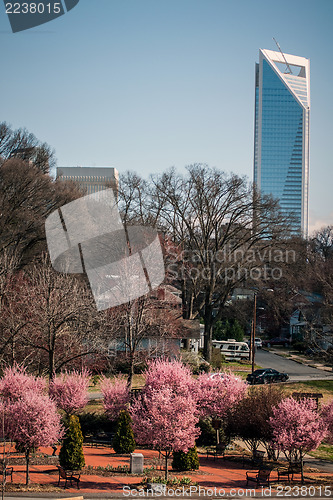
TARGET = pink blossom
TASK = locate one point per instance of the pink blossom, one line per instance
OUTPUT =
(16, 382)
(116, 395)
(327, 414)
(33, 421)
(216, 395)
(169, 373)
(3, 419)
(297, 427)
(165, 420)
(70, 391)
(165, 415)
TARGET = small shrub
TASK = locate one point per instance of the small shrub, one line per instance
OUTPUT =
(204, 367)
(71, 453)
(95, 423)
(207, 435)
(123, 441)
(186, 461)
(175, 481)
(300, 346)
(217, 358)
(95, 379)
(121, 363)
(194, 361)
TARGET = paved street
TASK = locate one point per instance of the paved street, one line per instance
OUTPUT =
(296, 371)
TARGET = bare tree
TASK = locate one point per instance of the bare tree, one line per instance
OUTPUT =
(145, 325)
(210, 217)
(137, 202)
(24, 145)
(27, 197)
(10, 323)
(317, 314)
(216, 230)
(322, 243)
(55, 317)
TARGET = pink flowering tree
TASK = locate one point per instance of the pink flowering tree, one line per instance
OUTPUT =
(327, 415)
(116, 396)
(15, 383)
(172, 373)
(216, 395)
(70, 391)
(165, 415)
(297, 428)
(166, 421)
(33, 421)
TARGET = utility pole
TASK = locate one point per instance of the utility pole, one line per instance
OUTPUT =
(254, 331)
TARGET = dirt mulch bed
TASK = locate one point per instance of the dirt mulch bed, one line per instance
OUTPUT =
(33, 487)
(38, 459)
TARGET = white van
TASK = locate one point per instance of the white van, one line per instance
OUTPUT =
(231, 349)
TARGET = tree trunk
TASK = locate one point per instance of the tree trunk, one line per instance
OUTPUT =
(131, 371)
(51, 364)
(167, 453)
(27, 459)
(302, 471)
(208, 337)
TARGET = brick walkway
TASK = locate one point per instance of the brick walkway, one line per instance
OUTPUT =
(220, 474)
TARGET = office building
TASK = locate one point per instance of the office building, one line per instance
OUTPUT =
(281, 144)
(90, 179)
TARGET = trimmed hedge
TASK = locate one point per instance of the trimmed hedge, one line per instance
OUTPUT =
(71, 453)
(185, 461)
(123, 441)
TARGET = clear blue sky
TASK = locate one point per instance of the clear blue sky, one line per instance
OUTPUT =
(148, 84)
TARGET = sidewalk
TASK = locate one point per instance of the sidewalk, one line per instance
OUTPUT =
(316, 463)
(220, 474)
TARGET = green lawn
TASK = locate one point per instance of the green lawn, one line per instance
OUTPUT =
(325, 387)
(322, 385)
(324, 452)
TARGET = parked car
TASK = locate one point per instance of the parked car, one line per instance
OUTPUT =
(258, 343)
(276, 341)
(266, 376)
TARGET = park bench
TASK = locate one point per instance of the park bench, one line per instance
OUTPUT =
(288, 472)
(258, 457)
(284, 473)
(256, 460)
(216, 451)
(68, 476)
(259, 477)
(101, 439)
(6, 472)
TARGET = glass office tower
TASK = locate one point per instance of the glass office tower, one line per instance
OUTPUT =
(281, 142)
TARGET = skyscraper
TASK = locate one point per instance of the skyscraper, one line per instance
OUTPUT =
(281, 139)
(91, 179)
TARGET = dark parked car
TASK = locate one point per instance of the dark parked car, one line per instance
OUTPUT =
(276, 341)
(266, 376)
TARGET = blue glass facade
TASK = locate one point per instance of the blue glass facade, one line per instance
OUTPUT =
(281, 123)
